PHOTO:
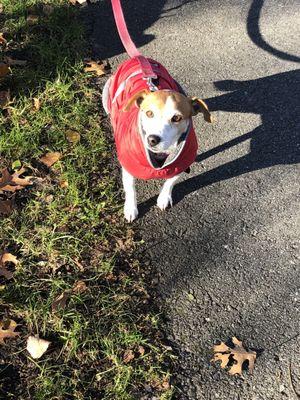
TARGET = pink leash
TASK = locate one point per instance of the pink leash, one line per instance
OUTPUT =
(130, 47)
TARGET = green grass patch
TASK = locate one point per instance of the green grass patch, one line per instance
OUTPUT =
(62, 235)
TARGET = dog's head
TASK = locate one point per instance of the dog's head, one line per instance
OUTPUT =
(164, 117)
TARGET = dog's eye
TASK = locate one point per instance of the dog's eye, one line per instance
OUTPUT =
(176, 118)
(149, 114)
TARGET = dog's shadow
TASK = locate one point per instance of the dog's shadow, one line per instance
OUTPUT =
(276, 141)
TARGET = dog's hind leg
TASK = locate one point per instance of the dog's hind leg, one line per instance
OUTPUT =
(130, 206)
(105, 95)
(165, 196)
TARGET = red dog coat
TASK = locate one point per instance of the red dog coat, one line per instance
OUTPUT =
(129, 143)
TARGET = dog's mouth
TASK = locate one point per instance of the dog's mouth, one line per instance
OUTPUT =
(157, 159)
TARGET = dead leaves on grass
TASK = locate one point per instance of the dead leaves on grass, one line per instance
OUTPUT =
(128, 356)
(97, 67)
(60, 301)
(80, 2)
(32, 19)
(238, 354)
(72, 136)
(36, 346)
(12, 182)
(7, 330)
(7, 258)
(36, 103)
(50, 159)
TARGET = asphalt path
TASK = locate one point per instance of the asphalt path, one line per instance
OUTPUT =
(226, 258)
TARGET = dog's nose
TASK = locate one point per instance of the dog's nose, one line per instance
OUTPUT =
(153, 140)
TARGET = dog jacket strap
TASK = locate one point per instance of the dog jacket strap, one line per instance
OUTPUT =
(130, 47)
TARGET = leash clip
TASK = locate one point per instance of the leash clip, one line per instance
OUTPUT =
(151, 85)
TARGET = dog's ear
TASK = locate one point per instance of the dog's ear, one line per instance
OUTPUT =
(199, 105)
(137, 99)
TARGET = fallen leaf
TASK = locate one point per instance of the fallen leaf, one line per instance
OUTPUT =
(4, 69)
(60, 301)
(238, 353)
(11, 183)
(37, 346)
(10, 61)
(74, 2)
(161, 385)
(3, 41)
(7, 330)
(72, 136)
(6, 258)
(50, 158)
(32, 19)
(4, 98)
(6, 207)
(99, 68)
(128, 356)
(141, 350)
(63, 184)
(36, 103)
(48, 9)
(79, 287)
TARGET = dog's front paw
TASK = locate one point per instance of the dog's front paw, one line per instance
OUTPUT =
(130, 212)
(164, 200)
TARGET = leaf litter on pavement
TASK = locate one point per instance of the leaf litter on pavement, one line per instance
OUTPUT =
(238, 354)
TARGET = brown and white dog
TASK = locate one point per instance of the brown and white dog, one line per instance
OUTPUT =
(153, 130)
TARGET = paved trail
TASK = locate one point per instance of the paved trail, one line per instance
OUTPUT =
(226, 256)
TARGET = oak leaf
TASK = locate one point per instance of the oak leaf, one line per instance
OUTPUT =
(238, 353)
(99, 68)
(7, 330)
(13, 182)
(37, 346)
(50, 158)
(5, 258)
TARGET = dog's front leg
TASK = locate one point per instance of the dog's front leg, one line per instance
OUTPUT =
(165, 196)
(130, 207)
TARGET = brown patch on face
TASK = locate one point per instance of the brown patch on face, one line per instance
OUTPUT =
(157, 101)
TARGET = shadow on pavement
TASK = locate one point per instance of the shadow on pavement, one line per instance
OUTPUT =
(256, 36)
(139, 16)
(276, 141)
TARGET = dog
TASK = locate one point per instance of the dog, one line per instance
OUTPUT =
(153, 129)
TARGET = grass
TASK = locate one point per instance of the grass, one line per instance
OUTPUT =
(62, 235)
